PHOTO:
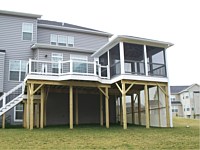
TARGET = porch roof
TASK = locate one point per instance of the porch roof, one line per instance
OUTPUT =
(130, 39)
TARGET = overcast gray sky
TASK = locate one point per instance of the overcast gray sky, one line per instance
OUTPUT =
(175, 21)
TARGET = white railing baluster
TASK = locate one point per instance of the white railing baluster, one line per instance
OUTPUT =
(30, 65)
(71, 66)
(95, 68)
(108, 72)
(4, 99)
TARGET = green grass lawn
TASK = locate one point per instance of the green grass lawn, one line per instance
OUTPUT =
(96, 137)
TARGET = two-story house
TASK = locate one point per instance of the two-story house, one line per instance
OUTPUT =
(185, 101)
(55, 73)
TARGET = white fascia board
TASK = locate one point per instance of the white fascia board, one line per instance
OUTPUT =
(130, 39)
(48, 46)
(12, 13)
(96, 78)
(74, 29)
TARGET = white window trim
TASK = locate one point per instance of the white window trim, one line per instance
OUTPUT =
(57, 57)
(17, 120)
(20, 70)
(56, 38)
(30, 32)
(66, 40)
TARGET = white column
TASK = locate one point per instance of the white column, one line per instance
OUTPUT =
(108, 68)
(121, 51)
(169, 93)
(145, 61)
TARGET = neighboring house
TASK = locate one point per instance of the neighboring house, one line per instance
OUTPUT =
(55, 73)
(185, 101)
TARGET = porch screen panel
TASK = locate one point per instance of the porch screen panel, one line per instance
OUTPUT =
(156, 61)
(134, 59)
(115, 68)
(103, 61)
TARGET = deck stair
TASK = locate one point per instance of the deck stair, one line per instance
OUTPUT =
(12, 98)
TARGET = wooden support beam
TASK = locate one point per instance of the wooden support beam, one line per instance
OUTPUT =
(71, 107)
(37, 88)
(163, 90)
(130, 86)
(124, 106)
(31, 106)
(37, 114)
(76, 106)
(118, 87)
(24, 114)
(107, 107)
(139, 110)
(45, 108)
(69, 83)
(101, 109)
(167, 107)
(132, 108)
(121, 112)
(42, 97)
(144, 82)
(3, 121)
(146, 105)
(28, 107)
(158, 95)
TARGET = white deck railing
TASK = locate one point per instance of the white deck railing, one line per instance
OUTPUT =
(70, 67)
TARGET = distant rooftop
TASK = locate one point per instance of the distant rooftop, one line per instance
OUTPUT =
(177, 89)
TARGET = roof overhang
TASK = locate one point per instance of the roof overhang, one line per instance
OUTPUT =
(74, 30)
(55, 47)
(20, 14)
(130, 39)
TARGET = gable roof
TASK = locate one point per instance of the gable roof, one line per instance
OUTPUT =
(177, 89)
(130, 39)
(67, 26)
(20, 14)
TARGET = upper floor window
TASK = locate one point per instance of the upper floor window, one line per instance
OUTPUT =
(62, 40)
(17, 70)
(70, 41)
(27, 31)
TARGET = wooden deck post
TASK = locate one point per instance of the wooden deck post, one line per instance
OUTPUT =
(37, 114)
(76, 106)
(146, 105)
(132, 109)
(139, 109)
(124, 106)
(3, 120)
(31, 106)
(121, 112)
(167, 106)
(107, 107)
(101, 109)
(158, 106)
(42, 108)
(24, 114)
(28, 107)
(71, 106)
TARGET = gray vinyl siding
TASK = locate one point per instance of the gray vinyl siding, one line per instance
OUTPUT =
(11, 41)
(81, 40)
(2, 59)
(66, 54)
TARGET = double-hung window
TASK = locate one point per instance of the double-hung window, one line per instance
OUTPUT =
(70, 41)
(56, 57)
(53, 39)
(79, 63)
(27, 31)
(62, 40)
(17, 70)
(18, 112)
